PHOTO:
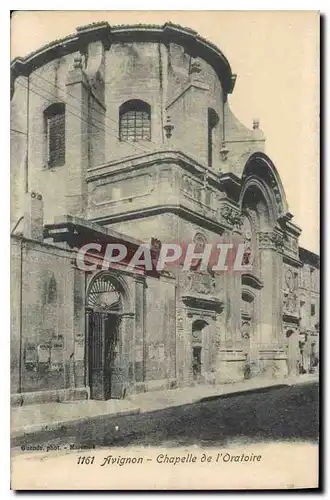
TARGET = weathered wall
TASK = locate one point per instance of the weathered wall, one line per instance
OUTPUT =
(160, 330)
(44, 299)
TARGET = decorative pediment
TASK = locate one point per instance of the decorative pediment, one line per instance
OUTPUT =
(210, 303)
(291, 318)
(252, 281)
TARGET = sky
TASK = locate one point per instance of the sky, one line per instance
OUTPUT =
(275, 55)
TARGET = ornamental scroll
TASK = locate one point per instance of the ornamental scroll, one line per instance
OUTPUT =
(270, 239)
(290, 295)
(201, 283)
(231, 217)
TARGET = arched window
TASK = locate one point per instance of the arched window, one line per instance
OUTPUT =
(134, 121)
(54, 117)
(200, 243)
(212, 119)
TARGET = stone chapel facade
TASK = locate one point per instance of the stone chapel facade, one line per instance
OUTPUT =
(124, 133)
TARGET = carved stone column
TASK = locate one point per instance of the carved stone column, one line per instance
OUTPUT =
(138, 354)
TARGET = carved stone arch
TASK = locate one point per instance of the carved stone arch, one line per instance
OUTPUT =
(255, 196)
(252, 215)
(113, 283)
(261, 167)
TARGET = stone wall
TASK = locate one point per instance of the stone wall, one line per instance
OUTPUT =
(42, 317)
(160, 347)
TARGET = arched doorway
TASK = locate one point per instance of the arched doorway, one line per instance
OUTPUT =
(292, 352)
(104, 308)
(197, 349)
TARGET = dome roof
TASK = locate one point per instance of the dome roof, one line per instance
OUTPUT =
(169, 32)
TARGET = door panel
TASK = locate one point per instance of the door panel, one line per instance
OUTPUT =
(197, 362)
(115, 371)
(105, 374)
(96, 355)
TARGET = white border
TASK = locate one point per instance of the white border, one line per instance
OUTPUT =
(322, 6)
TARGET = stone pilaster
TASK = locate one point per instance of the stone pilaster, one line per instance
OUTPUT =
(138, 354)
(79, 329)
(271, 350)
(233, 303)
(127, 350)
(271, 294)
(183, 346)
(76, 130)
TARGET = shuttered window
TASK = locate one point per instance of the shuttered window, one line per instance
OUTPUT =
(212, 123)
(55, 134)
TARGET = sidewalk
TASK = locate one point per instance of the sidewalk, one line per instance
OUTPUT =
(156, 400)
(54, 416)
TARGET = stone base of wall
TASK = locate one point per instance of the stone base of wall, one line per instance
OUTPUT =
(153, 385)
(230, 367)
(273, 364)
(58, 396)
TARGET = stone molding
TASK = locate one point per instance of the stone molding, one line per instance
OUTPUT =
(271, 239)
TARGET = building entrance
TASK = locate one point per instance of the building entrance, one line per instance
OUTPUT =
(292, 353)
(198, 350)
(104, 380)
(197, 362)
(104, 340)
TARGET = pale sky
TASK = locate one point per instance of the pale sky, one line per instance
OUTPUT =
(276, 58)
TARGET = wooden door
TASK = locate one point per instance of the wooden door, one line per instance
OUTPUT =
(96, 335)
(105, 374)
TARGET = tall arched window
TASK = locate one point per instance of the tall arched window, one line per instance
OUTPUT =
(134, 121)
(212, 119)
(54, 117)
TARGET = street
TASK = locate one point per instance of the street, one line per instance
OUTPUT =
(285, 413)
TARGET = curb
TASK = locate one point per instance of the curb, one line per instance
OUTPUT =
(63, 424)
(253, 390)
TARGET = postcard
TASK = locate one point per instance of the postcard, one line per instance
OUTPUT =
(165, 270)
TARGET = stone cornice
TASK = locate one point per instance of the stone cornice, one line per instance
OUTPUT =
(160, 209)
(189, 39)
(44, 246)
(291, 318)
(210, 303)
(291, 260)
(140, 161)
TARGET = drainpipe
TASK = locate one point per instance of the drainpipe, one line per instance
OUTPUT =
(20, 321)
(26, 172)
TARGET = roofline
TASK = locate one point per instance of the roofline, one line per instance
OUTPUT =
(309, 257)
(186, 37)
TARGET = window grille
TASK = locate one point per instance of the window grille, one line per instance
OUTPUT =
(134, 121)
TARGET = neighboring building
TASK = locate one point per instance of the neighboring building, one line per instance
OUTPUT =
(309, 293)
(125, 133)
